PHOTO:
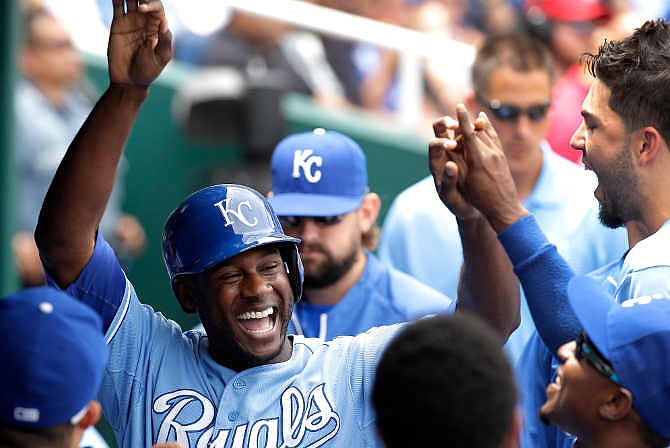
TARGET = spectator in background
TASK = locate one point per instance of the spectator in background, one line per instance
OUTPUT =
(512, 80)
(52, 101)
(446, 372)
(55, 354)
(568, 28)
(376, 67)
(320, 194)
(272, 52)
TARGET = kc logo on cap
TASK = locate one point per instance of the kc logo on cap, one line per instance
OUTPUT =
(305, 161)
(318, 173)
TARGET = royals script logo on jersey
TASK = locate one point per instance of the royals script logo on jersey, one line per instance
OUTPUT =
(309, 164)
(310, 419)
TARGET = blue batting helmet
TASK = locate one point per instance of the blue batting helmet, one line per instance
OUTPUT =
(219, 222)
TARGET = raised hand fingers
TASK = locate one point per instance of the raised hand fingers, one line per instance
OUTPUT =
(131, 5)
(445, 127)
(488, 132)
(155, 7)
(437, 152)
(465, 125)
(118, 8)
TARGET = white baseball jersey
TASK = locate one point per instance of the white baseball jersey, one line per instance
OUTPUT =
(162, 385)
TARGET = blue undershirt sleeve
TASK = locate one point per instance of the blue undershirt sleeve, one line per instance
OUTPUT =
(544, 275)
(101, 284)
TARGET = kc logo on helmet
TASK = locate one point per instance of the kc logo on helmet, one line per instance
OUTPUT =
(237, 214)
(305, 160)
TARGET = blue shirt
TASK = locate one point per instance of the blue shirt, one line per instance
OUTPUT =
(42, 135)
(644, 270)
(420, 235)
(161, 384)
(382, 296)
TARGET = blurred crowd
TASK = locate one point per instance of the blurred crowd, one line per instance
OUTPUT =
(340, 73)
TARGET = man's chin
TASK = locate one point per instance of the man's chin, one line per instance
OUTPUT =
(609, 219)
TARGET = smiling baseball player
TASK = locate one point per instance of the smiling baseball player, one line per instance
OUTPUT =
(243, 384)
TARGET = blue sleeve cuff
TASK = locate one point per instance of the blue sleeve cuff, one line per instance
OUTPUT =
(523, 239)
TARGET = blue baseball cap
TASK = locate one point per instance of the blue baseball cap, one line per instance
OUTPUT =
(318, 173)
(635, 337)
(54, 353)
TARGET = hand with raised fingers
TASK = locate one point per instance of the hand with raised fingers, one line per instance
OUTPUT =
(448, 167)
(489, 185)
(140, 42)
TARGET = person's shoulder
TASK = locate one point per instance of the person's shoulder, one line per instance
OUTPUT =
(650, 252)
(418, 200)
(418, 191)
(412, 297)
(27, 97)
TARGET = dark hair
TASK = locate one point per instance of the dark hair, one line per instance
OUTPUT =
(445, 375)
(636, 69)
(59, 436)
(29, 16)
(519, 52)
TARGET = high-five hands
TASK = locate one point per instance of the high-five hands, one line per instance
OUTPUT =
(470, 170)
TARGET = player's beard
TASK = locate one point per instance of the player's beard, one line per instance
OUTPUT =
(330, 271)
(619, 186)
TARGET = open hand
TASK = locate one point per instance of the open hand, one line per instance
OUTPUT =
(140, 43)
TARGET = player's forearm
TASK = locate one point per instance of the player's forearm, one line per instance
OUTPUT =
(544, 275)
(488, 285)
(77, 197)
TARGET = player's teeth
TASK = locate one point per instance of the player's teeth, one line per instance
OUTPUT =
(256, 314)
(558, 380)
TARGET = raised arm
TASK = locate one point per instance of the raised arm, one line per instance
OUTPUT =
(543, 273)
(488, 286)
(140, 46)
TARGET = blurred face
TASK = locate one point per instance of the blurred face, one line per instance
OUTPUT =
(573, 400)
(50, 56)
(517, 104)
(570, 39)
(605, 145)
(330, 246)
(245, 304)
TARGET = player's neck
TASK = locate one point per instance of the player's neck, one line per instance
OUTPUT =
(331, 295)
(54, 94)
(615, 438)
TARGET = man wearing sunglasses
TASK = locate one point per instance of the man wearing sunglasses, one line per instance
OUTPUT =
(320, 194)
(512, 83)
(612, 387)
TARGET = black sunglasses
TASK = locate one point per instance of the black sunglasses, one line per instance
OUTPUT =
(321, 221)
(586, 350)
(506, 112)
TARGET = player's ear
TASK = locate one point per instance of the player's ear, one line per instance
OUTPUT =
(618, 405)
(184, 289)
(369, 211)
(512, 436)
(92, 415)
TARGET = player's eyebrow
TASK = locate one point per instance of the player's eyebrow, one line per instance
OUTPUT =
(588, 116)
